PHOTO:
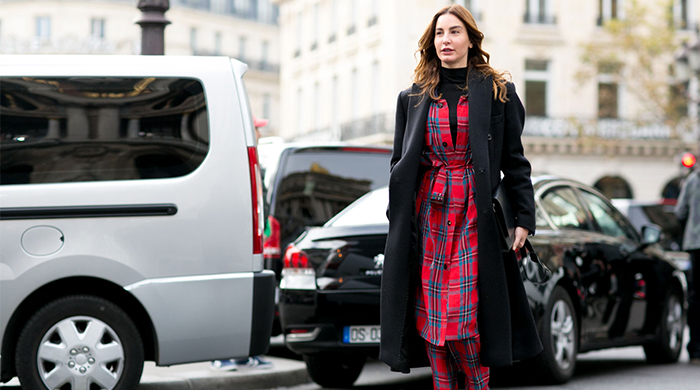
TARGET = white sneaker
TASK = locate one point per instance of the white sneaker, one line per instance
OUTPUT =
(224, 365)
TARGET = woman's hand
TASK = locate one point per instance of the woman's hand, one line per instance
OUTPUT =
(520, 236)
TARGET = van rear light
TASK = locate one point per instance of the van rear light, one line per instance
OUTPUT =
(273, 242)
(257, 193)
(296, 258)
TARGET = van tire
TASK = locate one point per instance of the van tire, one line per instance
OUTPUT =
(81, 337)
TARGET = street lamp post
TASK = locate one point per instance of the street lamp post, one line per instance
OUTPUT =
(153, 22)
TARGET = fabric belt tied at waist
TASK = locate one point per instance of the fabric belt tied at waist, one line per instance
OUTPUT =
(437, 191)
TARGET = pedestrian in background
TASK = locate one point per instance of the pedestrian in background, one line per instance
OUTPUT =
(688, 212)
(253, 361)
(447, 287)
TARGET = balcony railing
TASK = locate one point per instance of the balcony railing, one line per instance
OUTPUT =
(603, 129)
(539, 19)
(376, 124)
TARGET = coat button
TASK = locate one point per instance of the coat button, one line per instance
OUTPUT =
(449, 223)
(439, 105)
(489, 137)
(444, 266)
(444, 144)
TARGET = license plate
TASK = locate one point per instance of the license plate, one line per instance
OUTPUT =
(361, 334)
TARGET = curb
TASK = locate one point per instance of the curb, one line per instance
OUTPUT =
(285, 373)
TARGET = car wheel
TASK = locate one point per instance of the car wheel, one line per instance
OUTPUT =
(79, 342)
(559, 334)
(334, 370)
(669, 335)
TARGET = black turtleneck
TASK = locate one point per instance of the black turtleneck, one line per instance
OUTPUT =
(450, 87)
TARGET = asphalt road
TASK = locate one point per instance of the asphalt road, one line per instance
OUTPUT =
(616, 369)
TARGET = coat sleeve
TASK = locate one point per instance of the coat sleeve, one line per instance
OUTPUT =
(399, 130)
(516, 168)
(683, 204)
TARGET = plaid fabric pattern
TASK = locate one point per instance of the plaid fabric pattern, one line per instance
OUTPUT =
(446, 300)
(458, 355)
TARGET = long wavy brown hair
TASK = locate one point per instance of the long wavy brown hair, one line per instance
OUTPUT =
(427, 73)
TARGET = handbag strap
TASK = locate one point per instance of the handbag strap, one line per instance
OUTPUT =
(544, 273)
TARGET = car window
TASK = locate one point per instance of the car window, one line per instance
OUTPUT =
(609, 220)
(317, 183)
(564, 209)
(540, 221)
(368, 210)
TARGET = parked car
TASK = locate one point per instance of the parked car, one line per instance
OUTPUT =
(611, 287)
(131, 218)
(308, 183)
(661, 214)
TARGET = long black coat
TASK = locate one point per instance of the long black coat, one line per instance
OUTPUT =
(506, 326)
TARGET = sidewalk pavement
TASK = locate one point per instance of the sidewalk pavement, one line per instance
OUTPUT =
(199, 376)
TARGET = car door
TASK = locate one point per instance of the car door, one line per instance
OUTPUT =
(631, 271)
(582, 257)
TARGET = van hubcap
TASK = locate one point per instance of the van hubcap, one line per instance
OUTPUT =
(80, 351)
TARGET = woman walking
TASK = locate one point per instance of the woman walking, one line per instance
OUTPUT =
(447, 287)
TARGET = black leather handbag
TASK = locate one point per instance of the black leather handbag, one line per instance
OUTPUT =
(534, 270)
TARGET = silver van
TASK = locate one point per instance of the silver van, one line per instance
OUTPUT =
(131, 218)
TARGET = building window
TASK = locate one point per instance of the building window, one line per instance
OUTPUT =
(609, 10)
(314, 43)
(334, 22)
(193, 41)
(539, 12)
(97, 28)
(376, 87)
(537, 87)
(353, 17)
(355, 102)
(297, 51)
(317, 105)
(217, 43)
(43, 27)
(681, 14)
(243, 8)
(264, 60)
(335, 97)
(607, 100)
(608, 90)
(300, 111)
(241, 48)
(374, 14)
(471, 5)
(267, 102)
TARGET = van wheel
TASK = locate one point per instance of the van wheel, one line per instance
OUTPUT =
(79, 342)
(334, 370)
(669, 335)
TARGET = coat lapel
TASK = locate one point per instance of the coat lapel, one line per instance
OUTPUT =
(480, 99)
(416, 122)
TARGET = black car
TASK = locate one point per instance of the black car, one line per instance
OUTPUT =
(610, 287)
(307, 184)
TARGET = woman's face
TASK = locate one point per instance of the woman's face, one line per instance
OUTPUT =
(451, 41)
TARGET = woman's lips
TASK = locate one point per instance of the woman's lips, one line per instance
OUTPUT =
(446, 51)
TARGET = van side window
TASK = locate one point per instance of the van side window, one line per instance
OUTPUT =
(79, 129)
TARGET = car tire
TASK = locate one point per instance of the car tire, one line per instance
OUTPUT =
(334, 370)
(559, 333)
(76, 341)
(669, 334)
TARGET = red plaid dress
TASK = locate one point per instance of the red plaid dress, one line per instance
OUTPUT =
(447, 298)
